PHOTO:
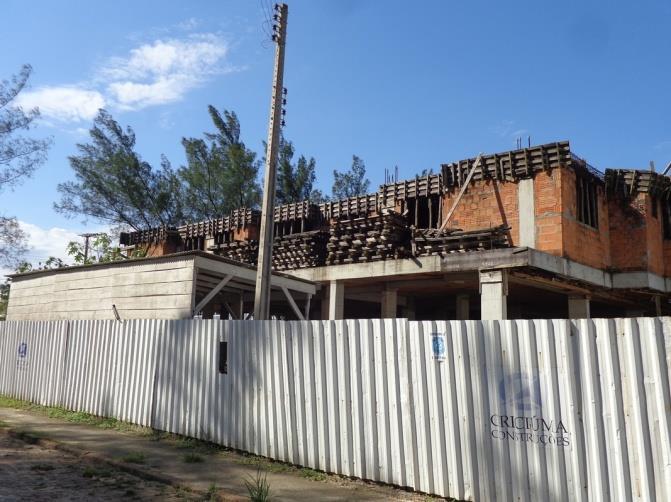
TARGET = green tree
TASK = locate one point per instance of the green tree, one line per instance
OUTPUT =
(19, 157)
(221, 172)
(352, 182)
(114, 185)
(295, 181)
(100, 250)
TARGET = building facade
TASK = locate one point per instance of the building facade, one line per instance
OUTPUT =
(530, 233)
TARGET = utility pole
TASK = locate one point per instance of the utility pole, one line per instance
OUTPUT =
(264, 265)
(86, 244)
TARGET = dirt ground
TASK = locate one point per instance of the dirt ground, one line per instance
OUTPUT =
(30, 472)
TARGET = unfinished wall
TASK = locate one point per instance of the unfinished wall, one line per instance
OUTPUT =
(636, 235)
(581, 242)
(548, 206)
(485, 204)
(139, 290)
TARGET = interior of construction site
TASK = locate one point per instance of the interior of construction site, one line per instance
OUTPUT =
(534, 232)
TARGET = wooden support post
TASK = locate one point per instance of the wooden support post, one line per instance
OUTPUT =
(203, 303)
(461, 192)
(295, 308)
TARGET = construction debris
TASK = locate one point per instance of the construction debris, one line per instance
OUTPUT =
(369, 238)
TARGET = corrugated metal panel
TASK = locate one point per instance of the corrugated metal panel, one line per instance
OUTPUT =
(512, 410)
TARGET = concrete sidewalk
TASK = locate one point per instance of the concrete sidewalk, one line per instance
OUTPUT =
(192, 464)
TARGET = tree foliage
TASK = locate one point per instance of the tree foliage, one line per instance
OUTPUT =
(100, 250)
(352, 182)
(114, 185)
(19, 157)
(295, 181)
(221, 172)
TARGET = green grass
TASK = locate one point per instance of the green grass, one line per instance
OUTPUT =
(77, 417)
(313, 475)
(211, 493)
(136, 457)
(258, 487)
(192, 458)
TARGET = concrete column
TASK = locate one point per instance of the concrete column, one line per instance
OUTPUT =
(389, 303)
(493, 294)
(410, 311)
(578, 307)
(527, 212)
(463, 307)
(658, 305)
(336, 300)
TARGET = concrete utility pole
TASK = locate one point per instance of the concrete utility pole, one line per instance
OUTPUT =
(264, 266)
(86, 244)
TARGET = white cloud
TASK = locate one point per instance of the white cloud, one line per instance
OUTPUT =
(64, 103)
(162, 72)
(46, 242)
(152, 74)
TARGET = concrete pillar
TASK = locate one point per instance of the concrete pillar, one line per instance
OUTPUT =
(336, 300)
(658, 305)
(463, 307)
(410, 311)
(578, 307)
(527, 212)
(389, 303)
(493, 294)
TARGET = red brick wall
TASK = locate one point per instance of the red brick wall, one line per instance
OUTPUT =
(636, 236)
(667, 257)
(485, 204)
(655, 237)
(582, 243)
(548, 211)
(627, 238)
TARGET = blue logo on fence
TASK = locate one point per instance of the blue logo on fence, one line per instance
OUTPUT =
(438, 345)
(520, 393)
(23, 350)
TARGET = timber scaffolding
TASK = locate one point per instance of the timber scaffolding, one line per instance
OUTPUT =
(402, 219)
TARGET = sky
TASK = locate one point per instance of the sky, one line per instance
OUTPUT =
(407, 84)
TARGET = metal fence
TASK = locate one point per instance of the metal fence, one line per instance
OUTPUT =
(491, 410)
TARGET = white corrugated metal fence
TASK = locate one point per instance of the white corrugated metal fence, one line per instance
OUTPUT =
(491, 410)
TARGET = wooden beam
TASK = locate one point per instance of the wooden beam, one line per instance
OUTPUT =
(212, 293)
(461, 192)
(307, 307)
(297, 311)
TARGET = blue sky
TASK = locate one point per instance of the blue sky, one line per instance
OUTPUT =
(412, 84)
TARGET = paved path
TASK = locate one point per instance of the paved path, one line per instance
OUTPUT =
(167, 460)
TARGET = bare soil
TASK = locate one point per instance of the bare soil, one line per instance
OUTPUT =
(31, 472)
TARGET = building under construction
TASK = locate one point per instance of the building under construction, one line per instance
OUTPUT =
(530, 233)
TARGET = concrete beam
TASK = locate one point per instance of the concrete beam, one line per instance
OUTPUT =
(578, 307)
(389, 303)
(336, 300)
(493, 294)
(463, 307)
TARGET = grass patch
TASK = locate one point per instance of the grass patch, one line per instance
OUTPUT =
(92, 472)
(211, 493)
(77, 417)
(192, 458)
(258, 487)
(136, 457)
(312, 474)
